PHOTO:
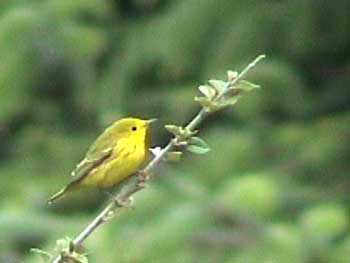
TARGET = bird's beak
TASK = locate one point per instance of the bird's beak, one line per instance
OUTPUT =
(151, 120)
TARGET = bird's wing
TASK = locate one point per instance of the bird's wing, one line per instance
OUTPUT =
(89, 163)
(98, 152)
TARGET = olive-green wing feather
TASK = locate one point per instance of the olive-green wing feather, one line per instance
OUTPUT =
(108, 139)
(88, 164)
(98, 152)
(82, 170)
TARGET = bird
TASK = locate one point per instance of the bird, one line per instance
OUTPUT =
(115, 155)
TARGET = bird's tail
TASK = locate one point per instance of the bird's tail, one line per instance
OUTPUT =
(71, 186)
(57, 195)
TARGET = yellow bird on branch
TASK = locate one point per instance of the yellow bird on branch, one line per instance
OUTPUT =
(115, 155)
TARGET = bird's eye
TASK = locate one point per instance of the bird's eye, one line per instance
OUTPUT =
(134, 128)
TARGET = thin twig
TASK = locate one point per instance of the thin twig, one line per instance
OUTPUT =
(144, 175)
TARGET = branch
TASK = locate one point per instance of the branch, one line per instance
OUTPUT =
(211, 103)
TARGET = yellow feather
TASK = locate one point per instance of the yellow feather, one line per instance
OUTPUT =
(116, 154)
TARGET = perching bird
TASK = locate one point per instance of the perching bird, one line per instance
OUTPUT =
(116, 154)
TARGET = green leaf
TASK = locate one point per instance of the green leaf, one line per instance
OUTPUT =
(197, 149)
(180, 132)
(62, 245)
(81, 258)
(231, 75)
(46, 255)
(188, 133)
(230, 101)
(209, 105)
(219, 85)
(247, 86)
(203, 101)
(207, 91)
(173, 156)
(176, 130)
(197, 145)
(65, 245)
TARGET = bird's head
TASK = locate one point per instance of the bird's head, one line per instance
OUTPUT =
(132, 128)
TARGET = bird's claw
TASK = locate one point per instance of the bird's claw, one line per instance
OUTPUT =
(119, 203)
(143, 177)
(109, 215)
(124, 203)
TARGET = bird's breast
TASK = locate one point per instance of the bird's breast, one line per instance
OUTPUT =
(123, 163)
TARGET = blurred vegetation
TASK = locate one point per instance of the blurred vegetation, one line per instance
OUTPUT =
(274, 188)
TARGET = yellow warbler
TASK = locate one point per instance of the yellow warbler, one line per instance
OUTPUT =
(116, 154)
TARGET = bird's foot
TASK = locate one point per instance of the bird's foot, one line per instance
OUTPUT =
(109, 215)
(143, 178)
(119, 203)
(125, 203)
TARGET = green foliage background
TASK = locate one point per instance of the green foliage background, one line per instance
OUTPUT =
(274, 188)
